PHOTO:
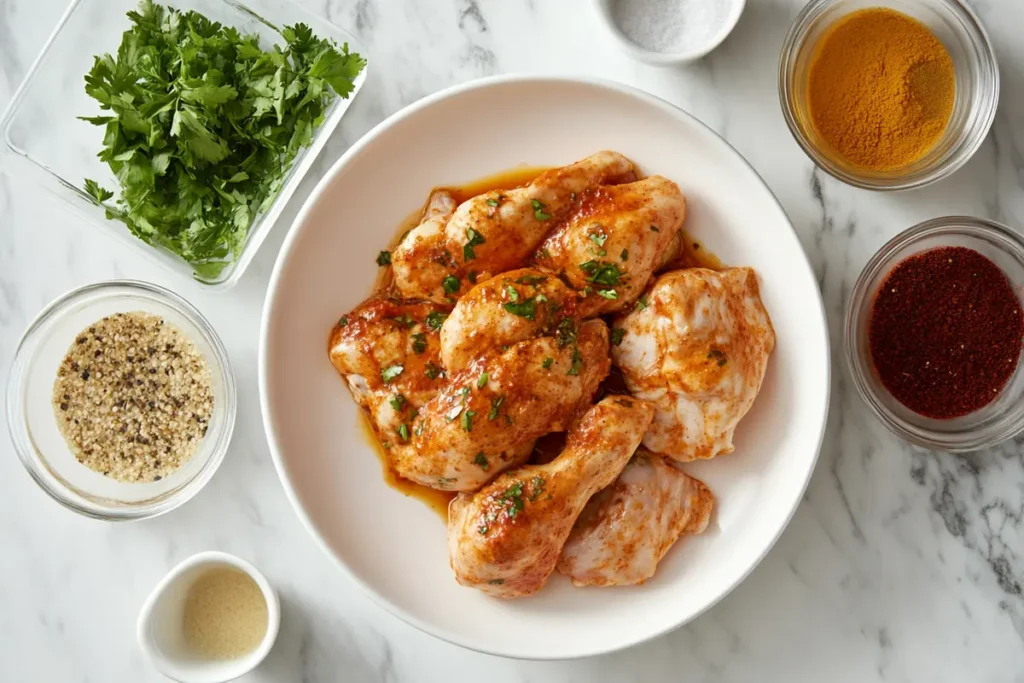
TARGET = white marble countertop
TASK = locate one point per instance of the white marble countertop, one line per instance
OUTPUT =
(900, 564)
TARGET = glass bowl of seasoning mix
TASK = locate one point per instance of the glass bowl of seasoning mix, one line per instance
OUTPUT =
(934, 334)
(120, 400)
(890, 94)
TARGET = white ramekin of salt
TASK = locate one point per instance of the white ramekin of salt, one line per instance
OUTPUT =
(668, 32)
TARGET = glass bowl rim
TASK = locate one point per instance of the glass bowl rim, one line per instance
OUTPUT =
(26, 449)
(858, 366)
(976, 134)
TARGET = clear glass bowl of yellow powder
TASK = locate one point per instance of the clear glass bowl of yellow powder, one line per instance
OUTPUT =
(888, 95)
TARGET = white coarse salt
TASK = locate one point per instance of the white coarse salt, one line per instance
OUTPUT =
(670, 25)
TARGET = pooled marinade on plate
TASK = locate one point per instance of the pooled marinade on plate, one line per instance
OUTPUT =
(496, 325)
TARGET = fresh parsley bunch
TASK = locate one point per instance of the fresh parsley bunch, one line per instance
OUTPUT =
(203, 125)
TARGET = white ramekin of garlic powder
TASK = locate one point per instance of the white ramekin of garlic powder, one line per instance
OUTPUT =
(213, 618)
(669, 32)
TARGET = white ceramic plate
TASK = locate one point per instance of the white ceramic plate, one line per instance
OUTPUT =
(394, 547)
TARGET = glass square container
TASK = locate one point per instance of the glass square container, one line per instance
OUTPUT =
(43, 138)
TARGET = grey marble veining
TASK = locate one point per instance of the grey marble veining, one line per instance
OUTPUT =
(900, 565)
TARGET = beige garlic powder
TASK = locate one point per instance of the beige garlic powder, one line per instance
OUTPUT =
(133, 397)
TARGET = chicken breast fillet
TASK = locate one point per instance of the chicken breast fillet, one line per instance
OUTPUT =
(496, 231)
(698, 351)
(626, 529)
(486, 419)
(615, 241)
(509, 308)
(388, 353)
(506, 538)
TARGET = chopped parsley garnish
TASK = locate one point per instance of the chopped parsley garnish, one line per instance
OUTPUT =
(531, 279)
(435, 319)
(547, 362)
(445, 482)
(492, 201)
(483, 529)
(719, 356)
(450, 284)
(467, 420)
(475, 239)
(405, 319)
(616, 336)
(464, 393)
(471, 276)
(536, 487)
(384, 258)
(342, 321)
(602, 273)
(202, 126)
(513, 496)
(482, 380)
(538, 211)
(397, 402)
(419, 342)
(641, 303)
(524, 309)
(391, 372)
(625, 254)
(654, 228)
(598, 239)
(481, 461)
(608, 294)
(403, 432)
(577, 362)
(419, 429)
(495, 406)
(432, 371)
(566, 333)
(513, 295)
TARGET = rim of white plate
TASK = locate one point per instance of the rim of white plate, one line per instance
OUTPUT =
(286, 247)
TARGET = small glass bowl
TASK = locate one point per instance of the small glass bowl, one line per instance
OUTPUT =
(33, 426)
(1001, 419)
(974, 106)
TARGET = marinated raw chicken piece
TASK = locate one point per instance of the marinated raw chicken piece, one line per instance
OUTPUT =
(506, 538)
(698, 351)
(487, 417)
(388, 352)
(512, 307)
(615, 241)
(628, 527)
(495, 231)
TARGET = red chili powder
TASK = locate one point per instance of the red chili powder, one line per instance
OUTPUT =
(945, 332)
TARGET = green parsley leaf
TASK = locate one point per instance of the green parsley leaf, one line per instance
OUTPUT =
(547, 362)
(495, 406)
(474, 238)
(577, 362)
(450, 284)
(641, 303)
(566, 333)
(435, 319)
(391, 372)
(467, 420)
(202, 126)
(397, 402)
(481, 461)
(513, 295)
(598, 239)
(616, 335)
(384, 258)
(608, 293)
(524, 309)
(419, 343)
(432, 371)
(482, 380)
(405, 319)
(538, 211)
(602, 273)
(492, 201)
(403, 432)
(343, 321)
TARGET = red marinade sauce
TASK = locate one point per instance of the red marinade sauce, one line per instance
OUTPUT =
(945, 332)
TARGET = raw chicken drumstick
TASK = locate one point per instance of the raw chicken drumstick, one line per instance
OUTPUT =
(495, 231)
(628, 527)
(506, 538)
(488, 415)
(698, 351)
(614, 242)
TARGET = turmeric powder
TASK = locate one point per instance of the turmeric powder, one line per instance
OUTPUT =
(881, 89)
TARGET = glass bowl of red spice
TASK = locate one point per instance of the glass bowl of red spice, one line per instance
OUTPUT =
(888, 94)
(934, 334)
